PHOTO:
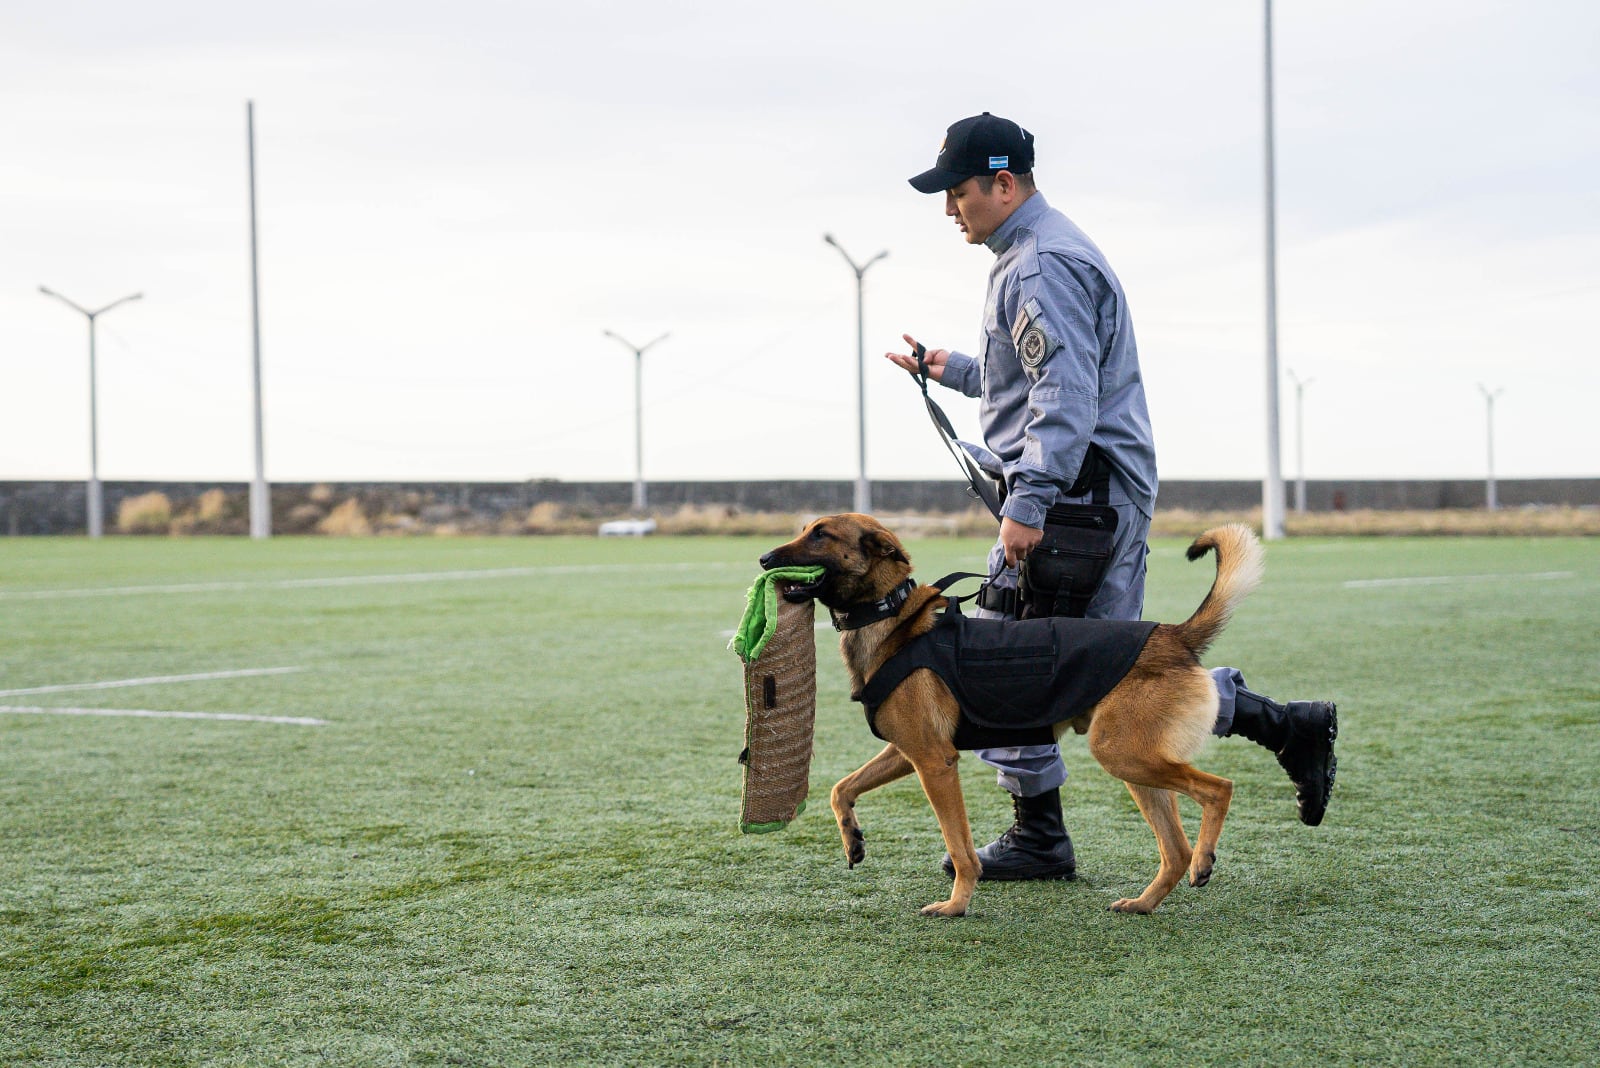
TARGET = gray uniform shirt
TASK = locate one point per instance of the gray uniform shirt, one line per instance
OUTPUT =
(1059, 367)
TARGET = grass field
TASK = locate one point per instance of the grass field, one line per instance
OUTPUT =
(514, 838)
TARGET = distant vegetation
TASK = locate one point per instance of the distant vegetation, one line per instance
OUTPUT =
(319, 510)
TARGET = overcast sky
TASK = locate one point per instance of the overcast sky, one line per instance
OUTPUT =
(457, 200)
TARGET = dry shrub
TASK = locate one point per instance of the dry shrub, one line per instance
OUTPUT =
(721, 519)
(398, 523)
(212, 506)
(1533, 521)
(347, 520)
(542, 516)
(321, 493)
(213, 512)
(1526, 522)
(148, 513)
(465, 524)
(549, 517)
(301, 519)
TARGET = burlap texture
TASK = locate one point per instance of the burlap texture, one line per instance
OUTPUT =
(780, 699)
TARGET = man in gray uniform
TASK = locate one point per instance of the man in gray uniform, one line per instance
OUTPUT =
(1059, 373)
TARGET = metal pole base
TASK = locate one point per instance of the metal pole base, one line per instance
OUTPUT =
(260, 510)
(97, 523)
(863, 498)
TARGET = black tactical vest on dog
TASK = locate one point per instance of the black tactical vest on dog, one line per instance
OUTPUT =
(1014, 680)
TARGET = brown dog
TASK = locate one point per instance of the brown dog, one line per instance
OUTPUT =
(1144, 731)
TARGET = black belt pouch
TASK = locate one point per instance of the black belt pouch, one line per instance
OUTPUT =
(1060, 575)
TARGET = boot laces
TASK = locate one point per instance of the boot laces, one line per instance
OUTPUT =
(1011, 832)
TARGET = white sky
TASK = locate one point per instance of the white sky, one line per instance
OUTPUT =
(456, 200)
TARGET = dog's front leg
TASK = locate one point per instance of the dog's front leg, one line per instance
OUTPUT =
(886, 767)
(941, 781)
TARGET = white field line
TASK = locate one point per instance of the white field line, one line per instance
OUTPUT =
(353, 580)
(1449, 580)
(146, 713)
(154, 680)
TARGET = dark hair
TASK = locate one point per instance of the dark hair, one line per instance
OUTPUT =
(1024, 182)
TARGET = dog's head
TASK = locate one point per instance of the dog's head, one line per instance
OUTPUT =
(861, 560)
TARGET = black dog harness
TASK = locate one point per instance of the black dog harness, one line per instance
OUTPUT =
(1013, 680)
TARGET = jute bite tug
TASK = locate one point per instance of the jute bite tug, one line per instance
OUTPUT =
(776, 640)
(1143, 726)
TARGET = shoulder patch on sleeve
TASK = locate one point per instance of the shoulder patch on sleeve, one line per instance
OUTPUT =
(1034, 346)
(1031, 335)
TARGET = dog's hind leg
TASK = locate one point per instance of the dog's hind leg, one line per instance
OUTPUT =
(886, 767)
(1160, 809)
(1213, 794)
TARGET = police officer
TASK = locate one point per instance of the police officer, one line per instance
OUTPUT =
(1058, 372)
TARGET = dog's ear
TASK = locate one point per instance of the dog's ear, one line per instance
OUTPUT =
(883, 543)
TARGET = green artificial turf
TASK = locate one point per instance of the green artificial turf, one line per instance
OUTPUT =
(515, 839)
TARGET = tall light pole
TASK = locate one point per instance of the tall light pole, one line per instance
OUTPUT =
(1272, 486)
(1300, 385)
(96, 508)
(1491, 499)
(260, 500)
(863, 496)
(638, 414)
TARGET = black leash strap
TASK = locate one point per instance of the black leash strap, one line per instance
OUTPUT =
(951, 579)
(979, 484)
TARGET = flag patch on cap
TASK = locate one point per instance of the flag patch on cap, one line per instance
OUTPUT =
(1000, 161)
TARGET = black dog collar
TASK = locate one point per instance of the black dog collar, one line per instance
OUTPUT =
(857, 616)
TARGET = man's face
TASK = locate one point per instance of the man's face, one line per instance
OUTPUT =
(979, 214)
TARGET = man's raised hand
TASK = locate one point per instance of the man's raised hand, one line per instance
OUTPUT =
(935, 359)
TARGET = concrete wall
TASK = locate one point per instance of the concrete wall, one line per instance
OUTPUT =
(59, 507)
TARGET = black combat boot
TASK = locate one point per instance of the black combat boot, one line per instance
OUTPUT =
(1301, 734)
(1035, 847)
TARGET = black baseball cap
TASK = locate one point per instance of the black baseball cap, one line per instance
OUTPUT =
(983, 144)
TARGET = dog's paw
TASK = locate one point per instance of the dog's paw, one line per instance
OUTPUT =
(944, 909)
(855, 848)
(1200, 869)
(1132, 905)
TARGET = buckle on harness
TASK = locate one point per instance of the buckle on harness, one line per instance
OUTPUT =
(996, 599)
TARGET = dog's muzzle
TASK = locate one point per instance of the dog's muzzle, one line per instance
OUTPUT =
(797, 592)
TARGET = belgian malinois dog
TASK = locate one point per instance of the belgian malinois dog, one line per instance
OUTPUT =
(1144, 731)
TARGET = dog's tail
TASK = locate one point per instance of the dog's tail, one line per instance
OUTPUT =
(1240, 564)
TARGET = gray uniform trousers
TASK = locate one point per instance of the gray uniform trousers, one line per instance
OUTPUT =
(1030, 770)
